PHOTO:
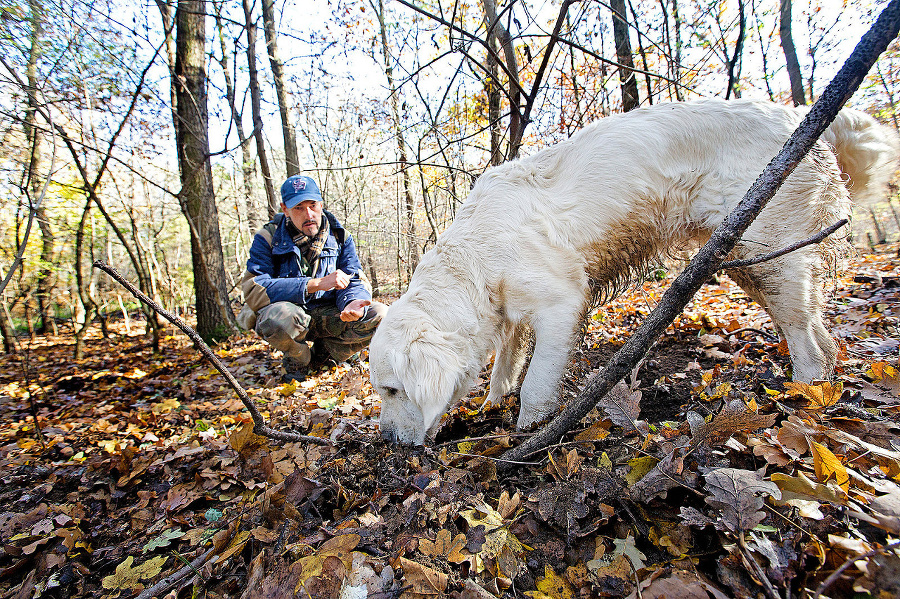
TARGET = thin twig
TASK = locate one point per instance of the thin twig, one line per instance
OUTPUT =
(259, 425)
(160, 588)
(765, 334)
(756, 568)
(485, 438)
(851, 560)
(499, 460)
(817, 238)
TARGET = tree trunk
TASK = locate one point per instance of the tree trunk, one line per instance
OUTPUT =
(412, 248)
(879, 232)
(168, 22)
(499, 38)
(215, 320)
(291, 156)
(274, 203)
(83, 304)
(790, 54)
(676, 69)
(45, 282)
(734, 71)
(248, 169)
(630, 99)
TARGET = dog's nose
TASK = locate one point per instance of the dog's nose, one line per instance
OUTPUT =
(388, 434)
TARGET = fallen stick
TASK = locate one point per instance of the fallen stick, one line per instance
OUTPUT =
(259, 424)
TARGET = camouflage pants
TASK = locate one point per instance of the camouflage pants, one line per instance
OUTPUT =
(287, 326)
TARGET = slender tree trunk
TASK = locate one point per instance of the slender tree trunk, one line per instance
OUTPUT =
(790, 54)
(291, 156)
(9, 335)
(499, 38)
(167, 13)
(676, 67)
(879, 232)
(215, 319)
(412, 253)
(274, 203)
(894, 212)
(45, 278)
(492, 89)
(647, 81)
(81, 319)
(630, 98)
(734, 71)
(248, 169)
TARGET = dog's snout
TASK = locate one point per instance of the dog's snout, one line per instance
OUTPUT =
(388, 434)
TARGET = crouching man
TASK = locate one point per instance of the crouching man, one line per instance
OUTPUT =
(304, 284)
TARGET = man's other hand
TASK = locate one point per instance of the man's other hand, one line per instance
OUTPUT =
(355, 310)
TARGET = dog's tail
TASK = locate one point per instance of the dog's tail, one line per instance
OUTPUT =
(867, 151)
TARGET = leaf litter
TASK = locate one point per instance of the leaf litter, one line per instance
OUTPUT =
(707, 473)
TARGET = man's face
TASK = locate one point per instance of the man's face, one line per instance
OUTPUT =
(306, 216)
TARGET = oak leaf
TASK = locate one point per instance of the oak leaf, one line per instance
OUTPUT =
(127, 577)
(737, 493)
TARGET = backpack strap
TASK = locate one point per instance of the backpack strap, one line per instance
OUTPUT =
(271, 226)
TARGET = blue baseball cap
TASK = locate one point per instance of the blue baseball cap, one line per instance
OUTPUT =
(299, 188)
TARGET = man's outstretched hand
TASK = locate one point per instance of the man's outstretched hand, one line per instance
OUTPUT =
(355, 310)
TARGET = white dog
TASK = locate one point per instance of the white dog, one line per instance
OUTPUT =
(540, 239)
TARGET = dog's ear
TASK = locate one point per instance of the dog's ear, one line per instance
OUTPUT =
(436, 364)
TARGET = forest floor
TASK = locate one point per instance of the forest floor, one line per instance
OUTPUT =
(146, 479)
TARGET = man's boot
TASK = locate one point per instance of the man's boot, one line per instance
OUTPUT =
(296, 368)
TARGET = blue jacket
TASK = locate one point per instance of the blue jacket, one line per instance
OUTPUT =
(273, 268)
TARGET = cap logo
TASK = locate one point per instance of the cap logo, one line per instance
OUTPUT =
(299, 184)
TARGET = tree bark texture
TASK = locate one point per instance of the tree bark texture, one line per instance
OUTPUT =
(710, 257)
(499, 38)
(798, 95)
(734, 71)
(248, 169)
(291, 156)
(45, 277)
(215, 320)
(630, 99)
(274, 202)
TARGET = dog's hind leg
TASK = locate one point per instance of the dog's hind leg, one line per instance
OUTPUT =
(790, 289)
(554, 330)
(511, 352)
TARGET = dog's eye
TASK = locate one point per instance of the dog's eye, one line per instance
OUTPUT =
(390, 391)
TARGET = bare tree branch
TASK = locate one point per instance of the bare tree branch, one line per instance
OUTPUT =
(259, 424)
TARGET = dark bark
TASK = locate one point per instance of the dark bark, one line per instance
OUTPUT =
(710, 257)
(790, 54)
(498, 38)
(734, 63)
(630, 99)
(215, 320)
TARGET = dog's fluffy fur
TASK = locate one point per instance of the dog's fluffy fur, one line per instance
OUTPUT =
(540, 238)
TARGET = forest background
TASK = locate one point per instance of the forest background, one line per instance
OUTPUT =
(154, 136)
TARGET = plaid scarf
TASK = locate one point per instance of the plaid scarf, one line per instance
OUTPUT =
(310, 247)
